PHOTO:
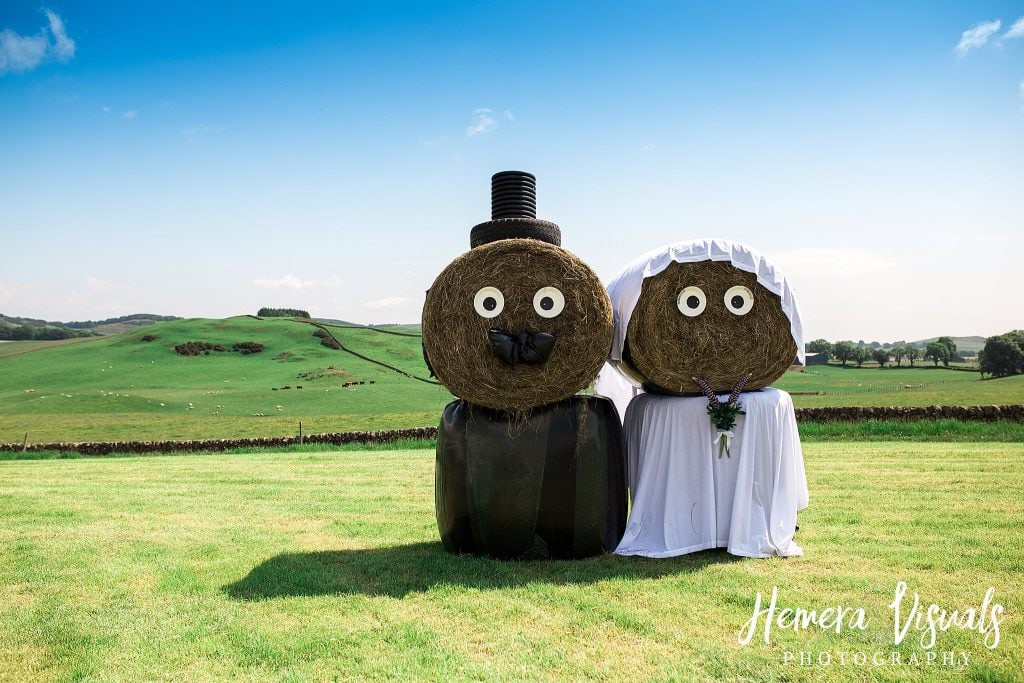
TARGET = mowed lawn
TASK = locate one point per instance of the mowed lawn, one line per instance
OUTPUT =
(305, 566)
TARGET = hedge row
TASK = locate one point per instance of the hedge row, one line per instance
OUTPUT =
(1012, 413)
(335, 438)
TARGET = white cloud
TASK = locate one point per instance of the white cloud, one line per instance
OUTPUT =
(387, 302)
(977, 36)
(63, 45)
(105, 109)
(1015, 31)
(483, 122)
(130, 114)
(286, 282)
(509, 116)
(20, 53)
(104, 296)
(192, 134)
(295, 283)
(98, 284)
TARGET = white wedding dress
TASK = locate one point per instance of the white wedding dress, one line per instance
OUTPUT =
(685, 498)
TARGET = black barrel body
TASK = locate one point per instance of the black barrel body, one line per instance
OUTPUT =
(550, 485)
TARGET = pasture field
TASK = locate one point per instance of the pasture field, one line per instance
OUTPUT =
(312, 566)
(14, 348)
(917, 386)
(121, 388)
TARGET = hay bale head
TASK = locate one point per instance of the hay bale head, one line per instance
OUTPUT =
(516, 323)
(708, 319)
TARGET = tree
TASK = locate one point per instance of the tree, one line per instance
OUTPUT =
(881, 356)
(950, 349)
(819, 346)
(913, 353)
(898, 353)
(936, 352)
(844, 351)
(266, 312)
(861, 355)
(1003, 355)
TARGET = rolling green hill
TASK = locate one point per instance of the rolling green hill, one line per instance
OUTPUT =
(121, 387)
(15, 328)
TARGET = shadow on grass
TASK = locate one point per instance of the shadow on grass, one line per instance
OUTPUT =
(399, 570)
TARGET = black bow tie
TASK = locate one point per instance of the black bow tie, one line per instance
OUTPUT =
(525, 347)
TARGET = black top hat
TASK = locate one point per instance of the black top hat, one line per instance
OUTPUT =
(514, 212)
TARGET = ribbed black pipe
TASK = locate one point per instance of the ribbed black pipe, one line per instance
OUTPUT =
(513, 195)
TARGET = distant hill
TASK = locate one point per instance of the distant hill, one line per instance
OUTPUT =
(410, 326)
(23, 329)
(385, 326)
(343, 323)
(967, 345)
(128, 321)
(964, 345)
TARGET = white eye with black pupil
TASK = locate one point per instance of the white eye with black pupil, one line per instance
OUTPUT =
(691, 301)
(739, 300)
(548, 302)
(489, 302)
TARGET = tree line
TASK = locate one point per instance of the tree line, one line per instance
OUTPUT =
(282, 313)
(86, 324)
(942, 350)
(28, 331)
(1002, 355)
(23, 329)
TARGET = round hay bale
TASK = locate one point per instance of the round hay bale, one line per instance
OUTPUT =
(457, 340)
(668, 348)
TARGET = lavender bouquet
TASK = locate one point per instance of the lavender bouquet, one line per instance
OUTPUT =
(723, 415)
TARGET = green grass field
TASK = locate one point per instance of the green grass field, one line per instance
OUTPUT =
(313, 566)
(121, 388)
(918, 386)
(14, 348)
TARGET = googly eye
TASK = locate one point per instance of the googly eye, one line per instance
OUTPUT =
(548, 302)
(692, 301)
(739, 300)
(489, 302)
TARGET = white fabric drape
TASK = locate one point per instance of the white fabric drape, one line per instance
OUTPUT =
(686, 498)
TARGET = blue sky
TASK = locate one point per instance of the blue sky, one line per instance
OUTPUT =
(197, 161)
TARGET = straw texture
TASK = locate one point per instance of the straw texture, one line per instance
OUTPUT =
(455, 336)
(668, 349)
